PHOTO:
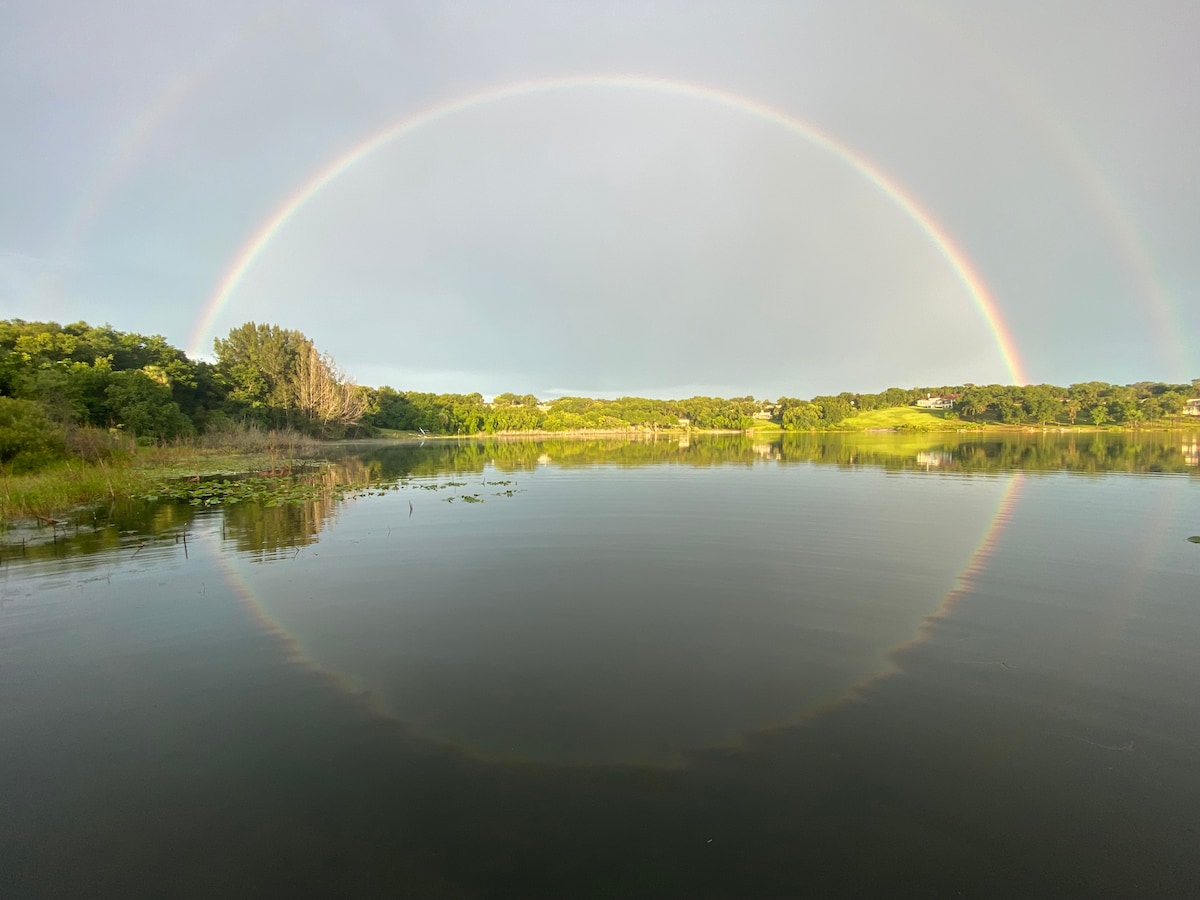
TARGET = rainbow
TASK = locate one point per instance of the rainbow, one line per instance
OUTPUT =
(954, 255)
(131, 143)
(1029, 97)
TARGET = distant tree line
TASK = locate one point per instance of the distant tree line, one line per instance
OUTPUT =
(60, 385)
(469, 414)
(1092, 403)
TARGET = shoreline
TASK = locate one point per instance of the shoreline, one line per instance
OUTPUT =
(73, 484)
(979, 428)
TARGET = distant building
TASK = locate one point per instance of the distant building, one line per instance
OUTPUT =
(931, 402)
(766, 411)
(1192, 407)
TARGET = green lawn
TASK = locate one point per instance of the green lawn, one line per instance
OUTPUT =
(908, 418)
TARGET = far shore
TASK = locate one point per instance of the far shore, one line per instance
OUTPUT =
(776, 431)
(73, 483)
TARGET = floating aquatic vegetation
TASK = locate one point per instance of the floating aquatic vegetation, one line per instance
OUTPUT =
(270, 491)
(283, 487)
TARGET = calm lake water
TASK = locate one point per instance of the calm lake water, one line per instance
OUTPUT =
(871, 666)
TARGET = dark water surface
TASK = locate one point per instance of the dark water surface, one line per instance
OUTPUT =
(871, 666)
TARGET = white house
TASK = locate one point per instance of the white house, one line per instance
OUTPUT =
(932, 402)
(1192, 407)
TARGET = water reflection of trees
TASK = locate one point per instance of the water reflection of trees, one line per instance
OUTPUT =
(512, 455)
(272, 529)
(1160, 452)
(268, 530)
(100, 529)
(1086, 453)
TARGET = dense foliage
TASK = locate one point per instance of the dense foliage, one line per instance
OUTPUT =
(63, 387)
(82, 376)
(28, 439)
(469, 414)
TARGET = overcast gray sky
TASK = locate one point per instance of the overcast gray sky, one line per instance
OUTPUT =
(608, 240)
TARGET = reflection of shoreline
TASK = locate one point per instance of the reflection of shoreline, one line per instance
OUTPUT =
(360, 464)
(634, 431)
(351, 672)
(965, 454)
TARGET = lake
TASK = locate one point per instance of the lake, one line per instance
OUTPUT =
(877, 665)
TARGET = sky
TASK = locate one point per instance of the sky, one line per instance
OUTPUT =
(660, 199)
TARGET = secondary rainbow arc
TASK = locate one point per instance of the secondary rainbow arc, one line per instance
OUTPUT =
(959, 262)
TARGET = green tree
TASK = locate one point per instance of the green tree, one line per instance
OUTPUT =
(144, 408)
(258, 363)
(976, 401)
(1010, 408)
(28, 438)
(834, 409)
(1087, 393)
(1072, 405)
(278, 375)
(1042, 403)
(801, 416)
(1127, 411)
(1172, 403)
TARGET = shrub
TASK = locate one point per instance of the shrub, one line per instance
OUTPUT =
(28, 438)
(94, 444)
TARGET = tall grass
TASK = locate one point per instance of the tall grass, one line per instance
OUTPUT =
(114, 467)
(252, 439)
(63, 486)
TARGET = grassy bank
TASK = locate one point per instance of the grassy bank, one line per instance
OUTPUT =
(911, 418)
(71, 483)
(906, 418)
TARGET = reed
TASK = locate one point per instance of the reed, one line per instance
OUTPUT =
(115, 472)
